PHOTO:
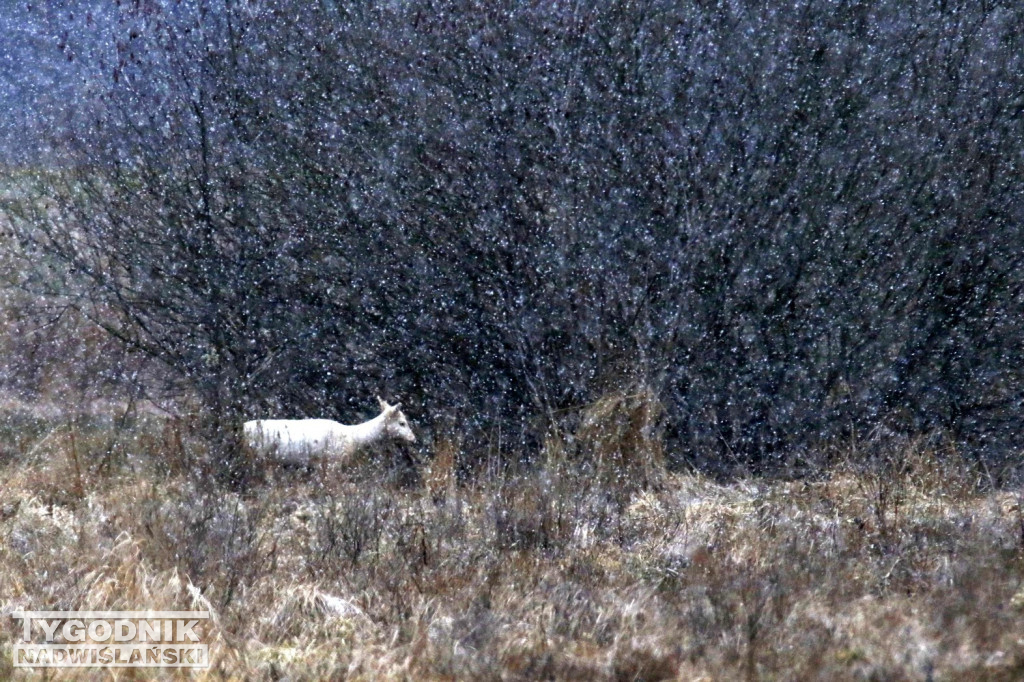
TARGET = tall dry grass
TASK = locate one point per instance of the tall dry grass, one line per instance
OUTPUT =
(601, 568)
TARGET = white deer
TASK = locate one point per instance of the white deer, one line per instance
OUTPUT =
(300, 441)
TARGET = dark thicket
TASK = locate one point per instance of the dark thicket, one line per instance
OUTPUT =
(792, 221)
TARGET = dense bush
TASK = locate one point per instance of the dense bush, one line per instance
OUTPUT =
(792, 222)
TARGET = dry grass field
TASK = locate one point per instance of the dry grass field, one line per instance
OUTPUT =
(910, 571)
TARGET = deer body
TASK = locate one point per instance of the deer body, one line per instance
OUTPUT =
(299, 441)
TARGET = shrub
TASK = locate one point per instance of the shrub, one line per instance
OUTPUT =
(791, 223)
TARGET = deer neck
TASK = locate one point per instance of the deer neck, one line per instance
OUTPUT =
(367, 432)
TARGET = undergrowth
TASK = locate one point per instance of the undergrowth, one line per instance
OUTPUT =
(906, 570)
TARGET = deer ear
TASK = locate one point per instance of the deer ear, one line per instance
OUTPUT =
(383, 403)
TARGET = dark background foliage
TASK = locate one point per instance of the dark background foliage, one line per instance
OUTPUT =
(794, 222)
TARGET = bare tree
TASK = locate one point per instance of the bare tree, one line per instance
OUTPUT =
(792, 222)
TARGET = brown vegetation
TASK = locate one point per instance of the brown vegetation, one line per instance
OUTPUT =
(910, 572)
